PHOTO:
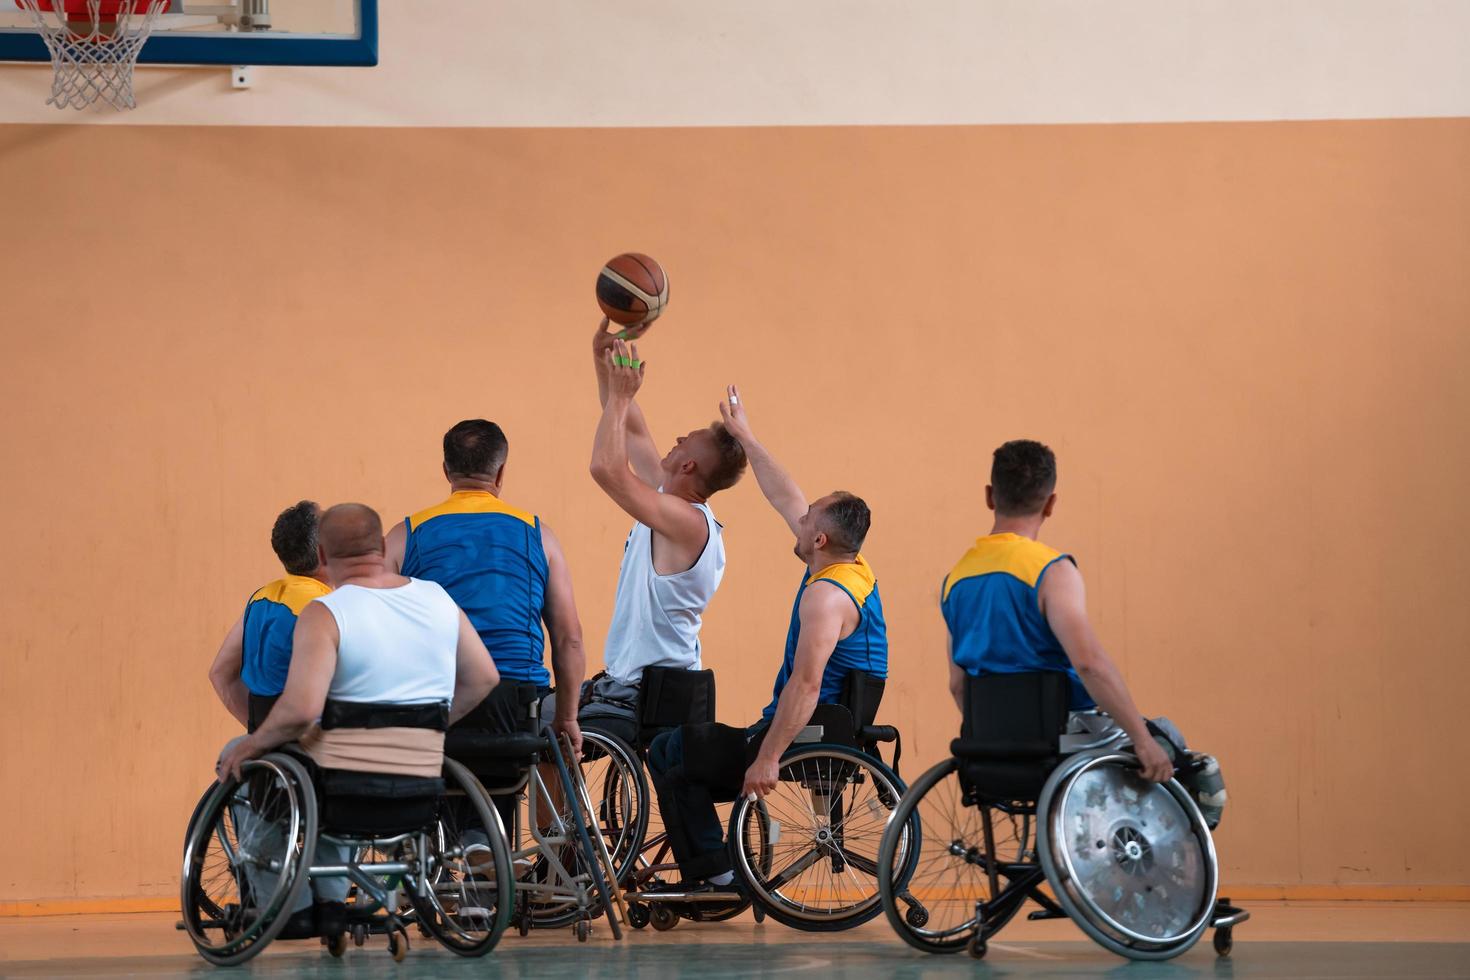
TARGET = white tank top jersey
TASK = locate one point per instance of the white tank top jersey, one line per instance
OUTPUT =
(656, 618)
(398, 645)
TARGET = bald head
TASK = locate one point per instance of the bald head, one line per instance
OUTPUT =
(350, 531)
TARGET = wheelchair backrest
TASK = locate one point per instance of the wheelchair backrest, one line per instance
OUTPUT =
(861, 694)
(1020, 715)
(672, 696)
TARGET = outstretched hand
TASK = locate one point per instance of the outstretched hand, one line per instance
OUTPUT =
(605, 337)
(732, 413)
(624, 369)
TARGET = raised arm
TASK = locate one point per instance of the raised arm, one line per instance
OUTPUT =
(1064, 604)
(777, 485)
(475, 675)
(670, 516)
(827, 613)
(568, 655)
(224, 673)
(313, 661)
(642, 450)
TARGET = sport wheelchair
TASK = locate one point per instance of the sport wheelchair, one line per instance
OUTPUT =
(563, 867)
(806, 855)
(251, 848)
(1021, 805)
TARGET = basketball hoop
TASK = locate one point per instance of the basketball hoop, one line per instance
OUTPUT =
(94, 47)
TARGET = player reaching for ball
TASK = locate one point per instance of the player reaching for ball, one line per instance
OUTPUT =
(674, 557)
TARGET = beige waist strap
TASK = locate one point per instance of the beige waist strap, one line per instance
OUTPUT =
(396, 751)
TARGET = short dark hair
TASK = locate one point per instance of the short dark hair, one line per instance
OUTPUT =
(731, 461)
(1022, 476)
(351, 531)
(293, 537)
(847, 520)
(475, 446)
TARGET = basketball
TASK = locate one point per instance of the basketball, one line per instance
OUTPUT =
(632, 289)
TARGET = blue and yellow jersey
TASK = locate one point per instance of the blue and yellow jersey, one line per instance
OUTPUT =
(489, 557)
(866, 649)
(270, 619)
(994, 615)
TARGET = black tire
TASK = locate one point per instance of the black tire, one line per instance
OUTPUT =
(851, 783)
(453, 930)
(283, 798)
(663, 917)
(948, 818)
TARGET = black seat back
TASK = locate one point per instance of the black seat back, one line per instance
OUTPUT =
(499, 739)
(672, 696)
(862, 693)
(1010, 740)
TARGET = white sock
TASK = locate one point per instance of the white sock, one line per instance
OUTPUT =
(722, 879)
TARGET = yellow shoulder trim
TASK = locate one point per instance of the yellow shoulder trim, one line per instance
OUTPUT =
(471, 502)
(293, 592)
(856, 577)
(1010, 554)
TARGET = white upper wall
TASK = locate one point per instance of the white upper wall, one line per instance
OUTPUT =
(838, 62)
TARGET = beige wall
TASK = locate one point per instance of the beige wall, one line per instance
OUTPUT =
(1245, 342)
(838, 62)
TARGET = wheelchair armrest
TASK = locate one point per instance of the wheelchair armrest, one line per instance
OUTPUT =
(877, 733)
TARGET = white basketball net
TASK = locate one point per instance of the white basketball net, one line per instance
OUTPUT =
(93, 53)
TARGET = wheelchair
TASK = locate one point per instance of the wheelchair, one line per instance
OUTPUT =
(806, 855)
(1020, 806)
(251, 849)
(563, 869)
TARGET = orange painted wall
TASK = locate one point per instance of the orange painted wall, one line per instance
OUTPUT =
(1246, 343)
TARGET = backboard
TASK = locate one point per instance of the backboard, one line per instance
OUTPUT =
(233, 32)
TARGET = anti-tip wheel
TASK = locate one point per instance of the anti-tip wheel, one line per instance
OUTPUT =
(664, 918)
(584, 929)
(337, 945)
(1224, 940)
(637, 915)
(977, 947)
(917, 916)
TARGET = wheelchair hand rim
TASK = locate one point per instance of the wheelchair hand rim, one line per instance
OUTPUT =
(1061, 870)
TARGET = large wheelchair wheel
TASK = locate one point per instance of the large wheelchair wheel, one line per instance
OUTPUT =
(808, 852)
(470, 893)
(1131, 862)
(941, 827)
(246, 855)
(618, 789)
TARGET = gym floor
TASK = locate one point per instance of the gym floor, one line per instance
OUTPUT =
(1296, 939)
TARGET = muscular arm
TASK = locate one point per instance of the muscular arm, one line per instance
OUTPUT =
(670, 516)
(642, 450)
(475, 675)
(313, 661)
(1064, 604)
(957, 677)
(568, 655)
(776, 484)
(224, 673)
(826, 614)
(396, 543)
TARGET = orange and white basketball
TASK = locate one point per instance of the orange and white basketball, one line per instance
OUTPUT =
(632, 289)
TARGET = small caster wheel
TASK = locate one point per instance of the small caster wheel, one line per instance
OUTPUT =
(976, 947)
(523, 925)
(759, 913)
(584, 929)
(337, 945)
(359, 934)
(424, 931)
(917, 916)
(663, 917)
(1224, 940)
(638, 915)
(397, 945)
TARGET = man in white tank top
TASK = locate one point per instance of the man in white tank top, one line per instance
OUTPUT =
(378, 639)
(674, 557)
